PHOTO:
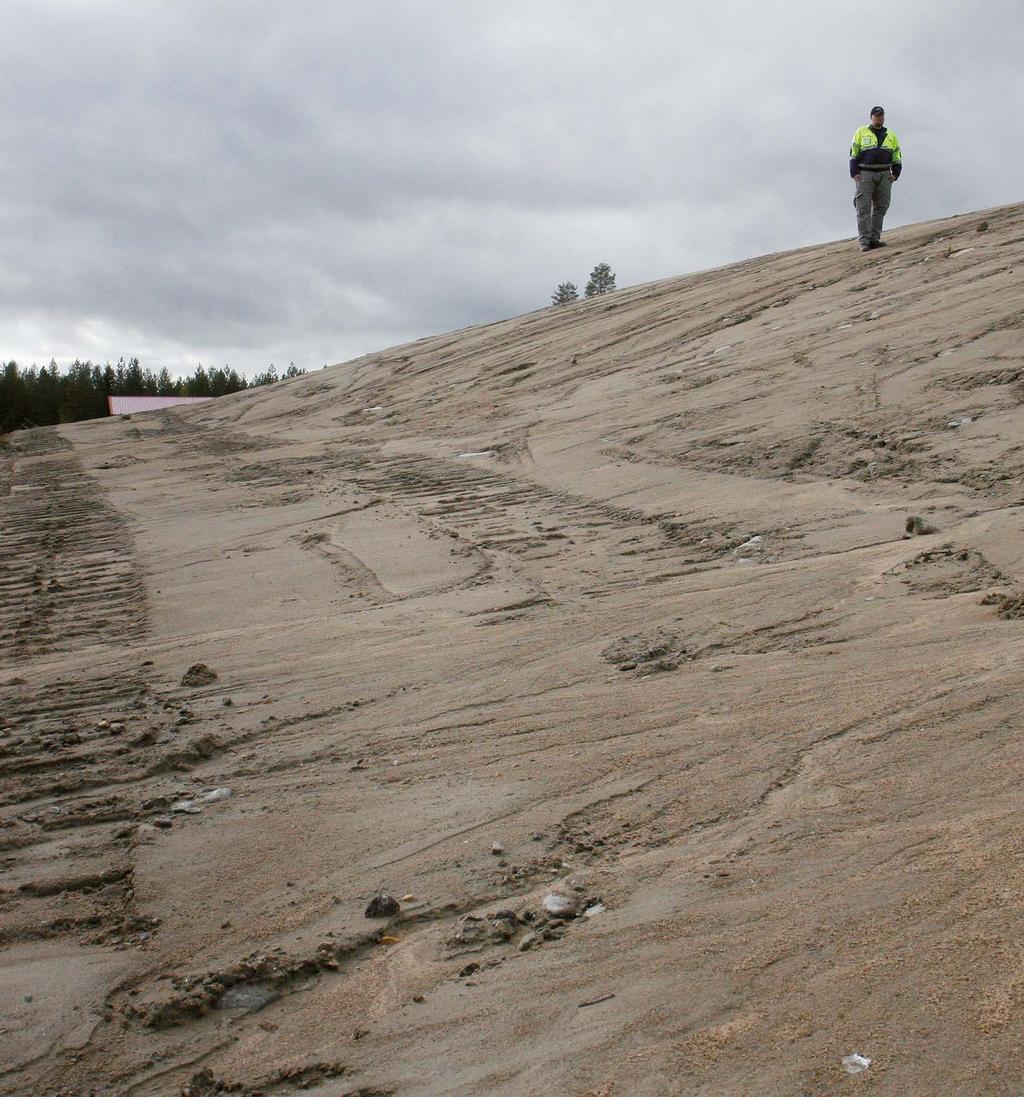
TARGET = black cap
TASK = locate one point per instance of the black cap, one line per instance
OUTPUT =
(878, 110)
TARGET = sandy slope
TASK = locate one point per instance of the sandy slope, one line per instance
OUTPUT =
(621, 586)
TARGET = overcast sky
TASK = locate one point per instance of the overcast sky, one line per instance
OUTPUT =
(246, 183)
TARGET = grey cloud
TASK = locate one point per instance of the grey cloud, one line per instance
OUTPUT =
(245, 181)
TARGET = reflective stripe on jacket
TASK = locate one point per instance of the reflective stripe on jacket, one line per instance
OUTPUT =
(865, 152)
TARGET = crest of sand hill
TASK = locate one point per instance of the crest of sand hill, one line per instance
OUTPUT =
(657, 655)
(819, 364)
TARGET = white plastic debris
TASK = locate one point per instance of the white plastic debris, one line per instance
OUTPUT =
(186, 807)
(752, 543)
(962, 421)
(558, 905)
(215, 794)
(855, 1063)
(478, 453)
(597, 908)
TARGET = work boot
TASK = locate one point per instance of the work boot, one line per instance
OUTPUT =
(865, 247)
(878, 244)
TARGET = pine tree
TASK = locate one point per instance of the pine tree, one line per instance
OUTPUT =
(135, 379)
(565, 293)
(235, 381)
(199, 383)
(602, 280)
(218, 381)
(267, 378)
(13, 397)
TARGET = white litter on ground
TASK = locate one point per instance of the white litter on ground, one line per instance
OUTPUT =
(855, 1063)
(754, 541)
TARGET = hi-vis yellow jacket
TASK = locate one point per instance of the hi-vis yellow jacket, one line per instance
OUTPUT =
(867, 153)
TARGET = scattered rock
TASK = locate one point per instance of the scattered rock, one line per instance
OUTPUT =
(982, 226)
(162, 822)
(658, 652)
(1008, 606)
(503, 925)
(916, 526)
(597, 908)
(186, 807)
(215, 794)
(497, 849)
(559, 906)
(199, 674)
(382, 905)
(470, 932)
(530, 940)
(469, 969)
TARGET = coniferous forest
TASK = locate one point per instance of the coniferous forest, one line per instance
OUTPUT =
(42, 396)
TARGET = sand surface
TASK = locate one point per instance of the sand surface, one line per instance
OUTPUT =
(613, 600)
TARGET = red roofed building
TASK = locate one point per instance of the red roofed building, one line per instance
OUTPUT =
(128, 405)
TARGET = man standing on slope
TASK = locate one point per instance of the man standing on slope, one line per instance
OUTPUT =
(875, 164)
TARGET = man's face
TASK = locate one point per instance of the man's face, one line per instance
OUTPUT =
(878, 119)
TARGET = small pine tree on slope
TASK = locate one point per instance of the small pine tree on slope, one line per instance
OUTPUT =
(602, 280)
(565, 293)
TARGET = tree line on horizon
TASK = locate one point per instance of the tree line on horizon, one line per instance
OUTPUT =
(602, 280)
(43, 396)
